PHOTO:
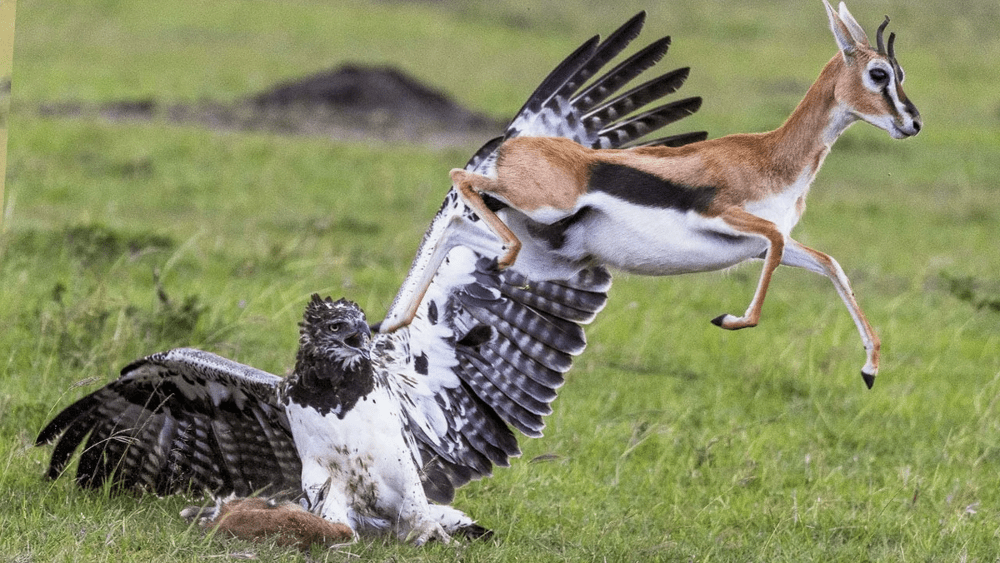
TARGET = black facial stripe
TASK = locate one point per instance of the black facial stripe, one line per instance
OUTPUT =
(888, 98)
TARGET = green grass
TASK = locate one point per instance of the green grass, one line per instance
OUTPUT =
(672, 440)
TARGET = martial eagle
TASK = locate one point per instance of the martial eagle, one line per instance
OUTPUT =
(466, 353)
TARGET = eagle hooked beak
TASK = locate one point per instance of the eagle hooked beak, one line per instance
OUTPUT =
(359, 337)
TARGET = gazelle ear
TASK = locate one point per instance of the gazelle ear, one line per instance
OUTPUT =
(857, 32)
(841, 32)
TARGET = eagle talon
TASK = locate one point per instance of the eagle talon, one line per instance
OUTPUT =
(427, 531)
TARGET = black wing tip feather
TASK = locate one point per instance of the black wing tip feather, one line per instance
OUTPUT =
(574, 69)
(63, 420)
(660, 115)
(604, 52)
(563, 72)
(620, 75)
(65, 448)
(692, 104)
(638, 19)
(626, 33)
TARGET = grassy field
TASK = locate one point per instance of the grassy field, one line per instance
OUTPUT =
(672, 440)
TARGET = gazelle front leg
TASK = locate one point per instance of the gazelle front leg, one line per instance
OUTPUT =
(469, 185)
(751, 224)
(802, 256)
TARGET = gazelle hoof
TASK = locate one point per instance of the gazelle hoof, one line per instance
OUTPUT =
(730, 322)
(869, 378)
(870, 370)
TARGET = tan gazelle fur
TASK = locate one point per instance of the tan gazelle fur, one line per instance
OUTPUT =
(707, 205)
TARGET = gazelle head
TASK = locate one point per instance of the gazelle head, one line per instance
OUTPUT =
(871, 88)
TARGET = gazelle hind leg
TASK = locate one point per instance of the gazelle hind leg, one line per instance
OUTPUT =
(802, 256)
(468, 185)
(751, 224)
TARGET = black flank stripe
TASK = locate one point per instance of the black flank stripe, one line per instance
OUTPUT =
(643, 188)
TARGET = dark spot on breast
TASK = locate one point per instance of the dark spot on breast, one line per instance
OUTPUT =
(432, 313)
(420, 364)
(643, 188)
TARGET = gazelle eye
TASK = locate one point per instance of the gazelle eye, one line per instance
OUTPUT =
(878, 75)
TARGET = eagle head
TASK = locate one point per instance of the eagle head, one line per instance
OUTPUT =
(333, 368)
(335, 331)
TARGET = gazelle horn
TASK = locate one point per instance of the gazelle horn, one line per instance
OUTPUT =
(878, 36)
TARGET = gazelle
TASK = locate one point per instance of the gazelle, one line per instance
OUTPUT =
(707, 205)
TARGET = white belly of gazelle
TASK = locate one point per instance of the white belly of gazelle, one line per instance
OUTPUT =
(657, 241)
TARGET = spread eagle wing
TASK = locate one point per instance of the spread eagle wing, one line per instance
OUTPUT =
(177, 421)
(486, 350)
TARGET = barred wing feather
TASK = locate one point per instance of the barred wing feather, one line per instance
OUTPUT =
(479, 359)
(176, 421)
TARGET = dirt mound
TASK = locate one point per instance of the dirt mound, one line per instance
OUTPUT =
(348, 103)
(371, 90)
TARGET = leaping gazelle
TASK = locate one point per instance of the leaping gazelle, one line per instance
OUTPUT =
(707, 205)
